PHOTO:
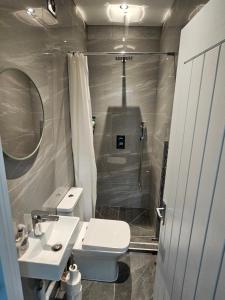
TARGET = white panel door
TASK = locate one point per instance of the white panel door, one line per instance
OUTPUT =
(220, 286)
(204, 203)
(188, 184)
(173, 165)
(213, 253)
(191, 251)
(2, 285)
(190, 121)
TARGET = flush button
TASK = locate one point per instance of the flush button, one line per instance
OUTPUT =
(120, 142)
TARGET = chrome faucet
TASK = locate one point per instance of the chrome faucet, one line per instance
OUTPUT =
(39, 216)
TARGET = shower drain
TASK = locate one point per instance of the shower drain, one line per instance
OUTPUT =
(56, 247)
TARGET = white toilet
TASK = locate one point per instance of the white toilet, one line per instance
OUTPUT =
(99, 242)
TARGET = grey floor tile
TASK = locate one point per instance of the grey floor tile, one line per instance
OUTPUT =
(93, 290)
(142, 268)
(141, 231)
(135, 281)
(105, 212)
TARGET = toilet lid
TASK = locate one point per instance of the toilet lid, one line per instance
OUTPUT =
(107, 235)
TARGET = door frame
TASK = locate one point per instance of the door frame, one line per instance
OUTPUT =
(8, 255)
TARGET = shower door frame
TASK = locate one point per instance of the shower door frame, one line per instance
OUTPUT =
(8, 256)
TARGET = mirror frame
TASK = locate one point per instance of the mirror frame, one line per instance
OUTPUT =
(42, 105)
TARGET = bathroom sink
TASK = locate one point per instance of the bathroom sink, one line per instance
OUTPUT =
(47, 255)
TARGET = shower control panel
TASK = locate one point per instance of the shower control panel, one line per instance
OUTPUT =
(120, 142)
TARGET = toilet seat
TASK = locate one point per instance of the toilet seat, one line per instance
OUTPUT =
(106, 235)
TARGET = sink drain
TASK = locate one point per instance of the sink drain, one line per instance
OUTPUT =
(56, 247)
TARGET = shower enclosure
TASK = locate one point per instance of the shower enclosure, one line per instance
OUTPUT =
(123, 89)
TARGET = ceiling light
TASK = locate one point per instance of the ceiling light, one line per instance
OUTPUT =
(30, 11)
(124, 7)
(38, 17)
(133, 13)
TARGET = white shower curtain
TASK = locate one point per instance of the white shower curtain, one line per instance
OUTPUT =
(82, 132)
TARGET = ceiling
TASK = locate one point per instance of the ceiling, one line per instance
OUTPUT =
(95, 11)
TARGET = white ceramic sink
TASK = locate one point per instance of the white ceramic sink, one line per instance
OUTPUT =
(40, 261)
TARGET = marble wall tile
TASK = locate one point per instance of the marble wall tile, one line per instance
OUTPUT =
(41, 53)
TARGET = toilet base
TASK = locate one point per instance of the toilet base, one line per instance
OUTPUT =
(97, 268)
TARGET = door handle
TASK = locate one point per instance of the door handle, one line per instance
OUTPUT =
(161, 213)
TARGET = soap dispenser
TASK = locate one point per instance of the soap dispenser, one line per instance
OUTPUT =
(22, 242)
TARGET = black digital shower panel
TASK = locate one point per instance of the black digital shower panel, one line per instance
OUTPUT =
(120, 142)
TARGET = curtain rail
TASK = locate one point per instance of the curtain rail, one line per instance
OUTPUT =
(125, 53)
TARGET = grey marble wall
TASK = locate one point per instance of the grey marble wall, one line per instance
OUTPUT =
(120, 102)
(40, 51)
(181, 12)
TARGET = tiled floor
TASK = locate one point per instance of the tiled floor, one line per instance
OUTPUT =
(135, 282)
(137, 270)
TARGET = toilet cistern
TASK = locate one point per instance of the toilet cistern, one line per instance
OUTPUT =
(39, 216)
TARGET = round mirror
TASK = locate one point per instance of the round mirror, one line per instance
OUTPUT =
(21, 115)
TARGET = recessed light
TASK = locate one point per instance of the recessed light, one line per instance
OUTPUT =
(124, 6)
(30, 11)
(134, 13)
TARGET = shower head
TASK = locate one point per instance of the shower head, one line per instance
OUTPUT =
(123, 58)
